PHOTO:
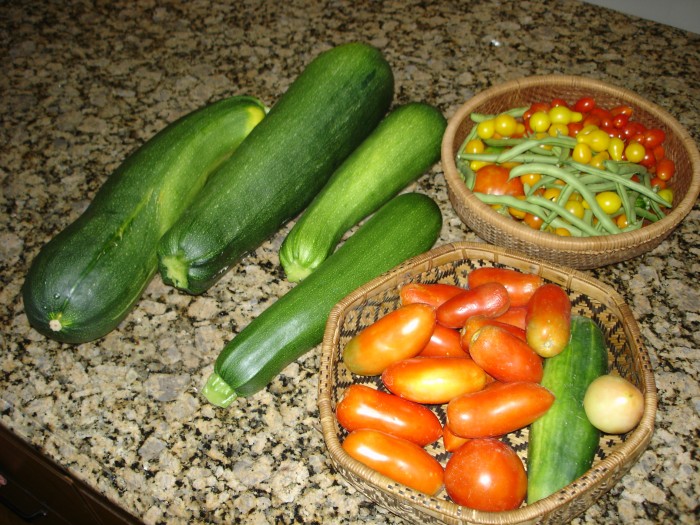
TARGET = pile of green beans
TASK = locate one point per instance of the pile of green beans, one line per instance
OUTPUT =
(551, 158)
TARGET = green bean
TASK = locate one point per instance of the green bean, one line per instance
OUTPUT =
(521, 159)
(563, 212)
(535, 145)
(514, 112)
(626, 204)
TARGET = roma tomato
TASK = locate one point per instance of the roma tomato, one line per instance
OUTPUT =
(514, 316)
(489, 299)
(445, 342)
(433, 380)
(505, 356)
(433, 294)
(492, 179)
(365, 407)
(498, 409)
(398, 335)
(520, 285)
(450, 440)
(487, 475)
(396, 458)
(548, 320)
(477, 322)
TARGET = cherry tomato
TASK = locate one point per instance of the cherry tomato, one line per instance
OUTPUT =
(620, 120)
(398, 335)
(489, 299)
(533, 221)
(486, 475)
(498, 409)
(477, 322)
(514, 316)
(558, 102)
(445, 342)
(492, 179)
(665, 169)
(506, 125)
(634, 152)
(632, 129)
(609, 201)
(622, 109)
(433, 294)
(653, 137)
(397, 459)
(574, 128)
(520, 285)
(657, 183)
(365, 407)
(433, 380)
(450, 441)
(584, 104)
(548, 320)
(613, 404)
(505, 356)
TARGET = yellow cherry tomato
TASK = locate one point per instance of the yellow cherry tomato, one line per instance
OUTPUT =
(539, 121)
(576, 116)
(597, 139)
(515, 212)
(557, 129)
(582, 153)
(562, 232)
(474, 146)
(598, 160)
(609, 201)
(485, 129)
(475, 165)
(505, 125)
(622, 221)
(552, 194)
(575, 208)
(520, 129)
(616, 148)
(560, 115)
(667, 195)
(530, 178)
(634, 152)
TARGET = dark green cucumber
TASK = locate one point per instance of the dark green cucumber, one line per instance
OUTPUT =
(325, 114)
(87, 279)
(562, 443)
(402, 147)
(406, 226)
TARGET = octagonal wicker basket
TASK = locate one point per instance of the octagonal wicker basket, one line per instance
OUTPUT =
(575, 252)
(452, 263)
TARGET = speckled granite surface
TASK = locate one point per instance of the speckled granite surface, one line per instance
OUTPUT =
(84, 83)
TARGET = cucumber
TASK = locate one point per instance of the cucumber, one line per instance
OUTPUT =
(325, 114)
(562, 443)
(404, 227)
(402, 147)
(87, 278)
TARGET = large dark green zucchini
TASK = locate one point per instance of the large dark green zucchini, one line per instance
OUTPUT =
(324, 115)
(404, 227)
(562, 443)
(402, 147)
(87, 278)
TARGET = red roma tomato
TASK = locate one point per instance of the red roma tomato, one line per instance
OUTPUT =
(398, 335)
(520, 285)
(433, 380)
(477, 322)
(489, 299)
(514, 316)
(492, 179)
(433, 294)
(548, 320)
(396, 458)
(498, 409)
(451, 441)
(365, 407)
(445, 342)
(486, 475)
(505, 356)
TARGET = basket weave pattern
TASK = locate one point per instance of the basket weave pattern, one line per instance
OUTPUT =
(451, 264)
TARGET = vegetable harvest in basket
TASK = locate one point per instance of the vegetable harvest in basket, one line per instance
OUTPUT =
(578, 170)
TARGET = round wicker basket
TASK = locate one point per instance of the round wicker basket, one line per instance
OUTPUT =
(576, 252)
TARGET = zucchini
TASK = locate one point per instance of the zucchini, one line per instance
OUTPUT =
(325, 114)
(404, 227)
(563, 443)
(402, 147)
(87, 278)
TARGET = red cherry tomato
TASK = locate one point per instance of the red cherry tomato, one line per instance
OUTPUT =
(489, 299)
(665, 169)
(574, 128)
(504, 356)
(492, 179)
(433, 294)
(604, 116)
(445, 342)
(520, 285)
(477, 322)
(632, 129)
(584, 105)
(397, 459)
(365, 407)
(398, 335)
(649, 160)
(433, 380)
(622, 109)
(450, 440)
(558, 102)
(548, 320)
(514, 316)
(653, 137)
(620, 120)
(486, 475)
(497, 409)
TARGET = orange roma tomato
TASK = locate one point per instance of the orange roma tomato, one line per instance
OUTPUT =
(505, 356)
(477, 322)
(489, 299)
(433, 380)
(396, 458)
(450, 440)
(520, 285)
(445, 342)
(433, 294)
(498, 409)
(514, 316)
(398, 335)
(365, 407)
(487, 475)
(548, 321)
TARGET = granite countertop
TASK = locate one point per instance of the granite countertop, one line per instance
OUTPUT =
(84, 83)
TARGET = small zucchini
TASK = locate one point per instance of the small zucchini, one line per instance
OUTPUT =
(562, 443)
(402, 147)
(87, 279)
(404, 227)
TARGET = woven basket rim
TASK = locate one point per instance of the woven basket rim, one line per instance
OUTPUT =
(592, 245)
(635, 442)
